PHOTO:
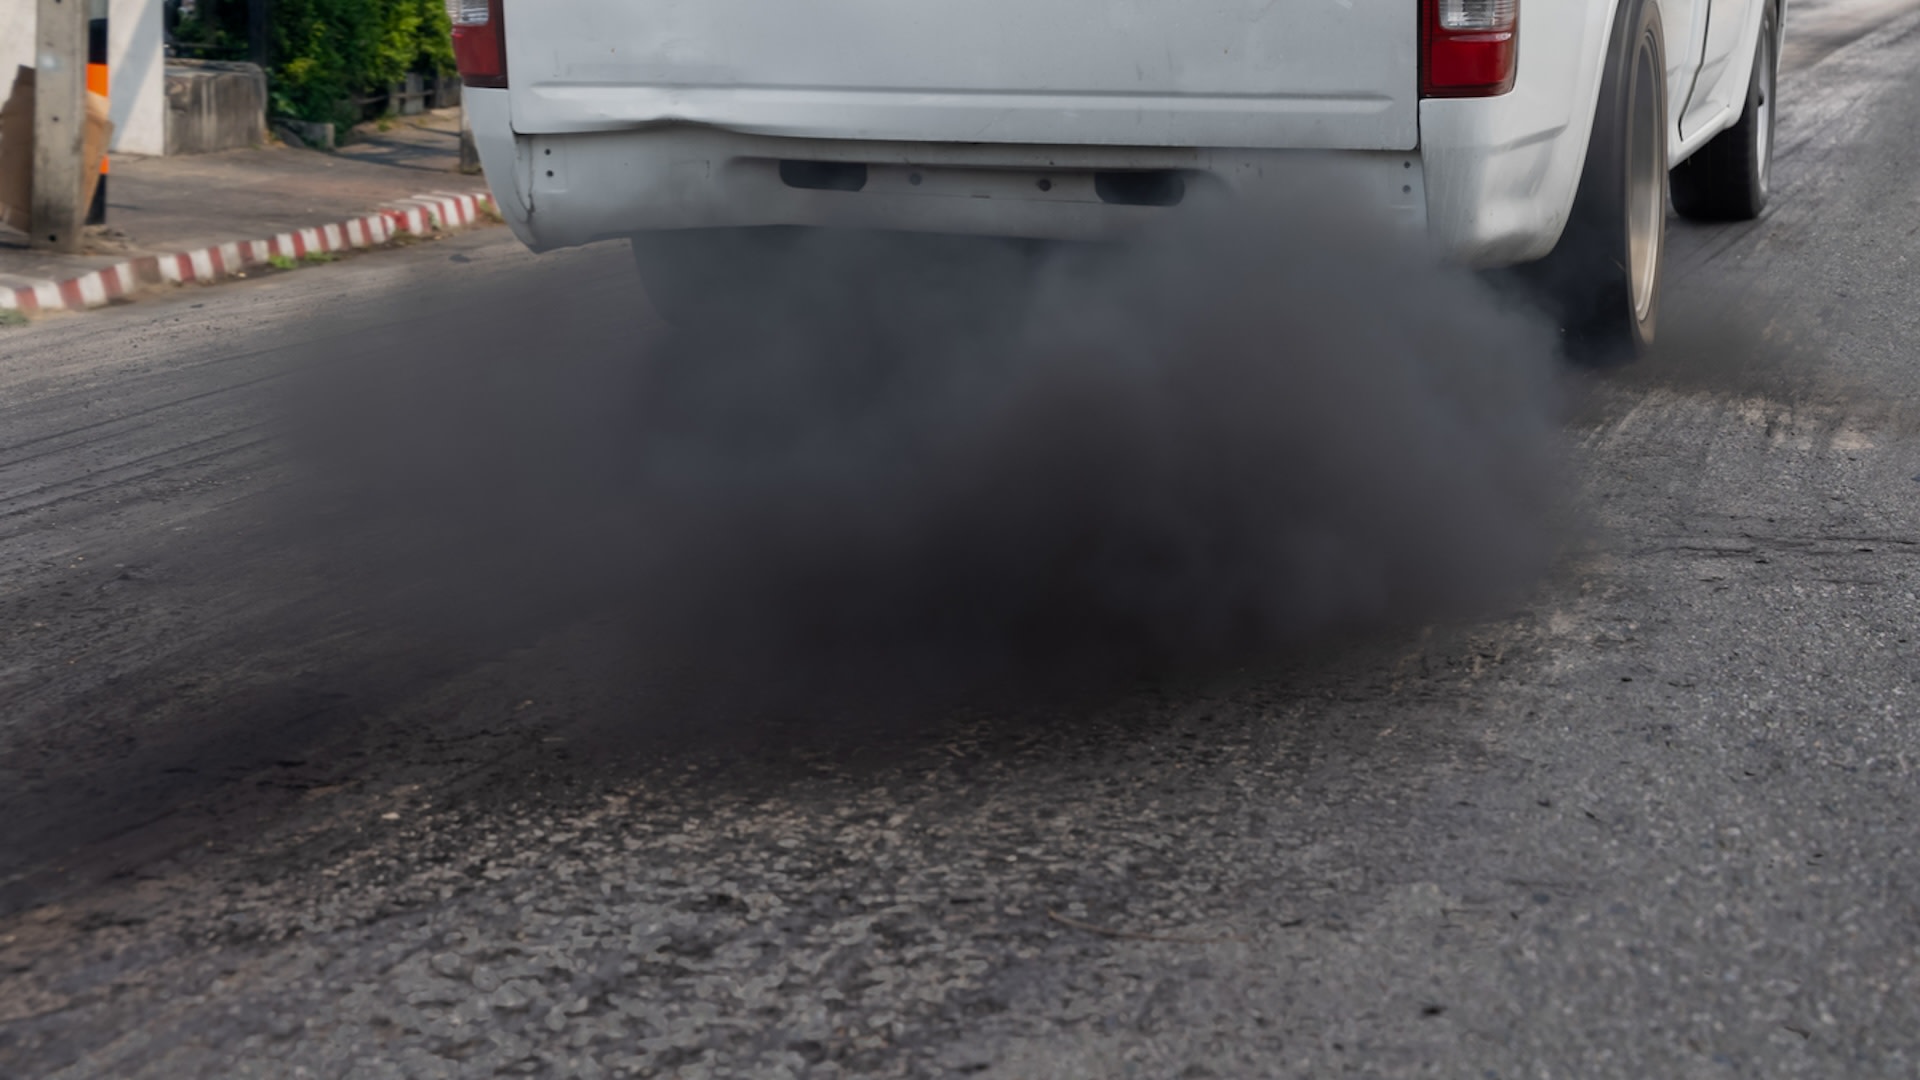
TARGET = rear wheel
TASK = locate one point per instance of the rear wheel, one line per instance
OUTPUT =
(1728, 179)
(1603, 278)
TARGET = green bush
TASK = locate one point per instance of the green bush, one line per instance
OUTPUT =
(325, 52)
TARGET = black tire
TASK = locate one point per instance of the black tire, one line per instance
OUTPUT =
(1728, 179)
(709, 277)
(1602, 280)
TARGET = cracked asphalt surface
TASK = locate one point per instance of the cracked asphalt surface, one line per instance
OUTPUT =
(1655, 820)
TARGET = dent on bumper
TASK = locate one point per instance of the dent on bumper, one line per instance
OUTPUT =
(488, 116)
(1495, 203)
(577, 188)
(1484, 194)
(1502, 171)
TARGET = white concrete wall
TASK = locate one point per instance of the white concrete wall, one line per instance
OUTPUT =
(136, 58)
(16, 39)
(136, 68)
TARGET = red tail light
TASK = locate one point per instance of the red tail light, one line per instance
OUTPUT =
(479, 42)
(1468, 48)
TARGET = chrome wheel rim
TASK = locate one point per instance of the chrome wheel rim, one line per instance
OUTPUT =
(1646, 175)
(1763, 108)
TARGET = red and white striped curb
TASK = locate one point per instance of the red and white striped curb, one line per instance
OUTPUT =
(418, 216)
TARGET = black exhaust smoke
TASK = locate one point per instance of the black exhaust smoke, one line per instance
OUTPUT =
(932, 469)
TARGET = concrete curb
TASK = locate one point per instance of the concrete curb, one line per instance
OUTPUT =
(417, 216)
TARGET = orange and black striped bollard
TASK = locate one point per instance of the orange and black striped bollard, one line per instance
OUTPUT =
(97, 83)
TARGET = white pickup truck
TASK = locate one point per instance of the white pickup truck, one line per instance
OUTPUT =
(1513, 131)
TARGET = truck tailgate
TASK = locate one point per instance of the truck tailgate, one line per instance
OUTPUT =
(1323, 74)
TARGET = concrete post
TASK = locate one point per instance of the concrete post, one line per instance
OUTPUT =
(59, 123)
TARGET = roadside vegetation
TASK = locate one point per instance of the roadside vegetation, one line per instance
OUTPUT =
(324, 56)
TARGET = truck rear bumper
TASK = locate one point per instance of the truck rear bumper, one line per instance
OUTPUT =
(559, 190)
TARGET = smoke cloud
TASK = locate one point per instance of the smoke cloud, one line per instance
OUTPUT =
(933, 468)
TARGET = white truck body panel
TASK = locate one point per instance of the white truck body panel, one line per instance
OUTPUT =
(626, 116)
(1719, 87)
(1244, 73)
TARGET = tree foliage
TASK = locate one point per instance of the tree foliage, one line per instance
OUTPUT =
(325, 52)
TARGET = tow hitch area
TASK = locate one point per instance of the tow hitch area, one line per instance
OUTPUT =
(1123, 187)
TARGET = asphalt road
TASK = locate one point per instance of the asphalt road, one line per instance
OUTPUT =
(1654, 818)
